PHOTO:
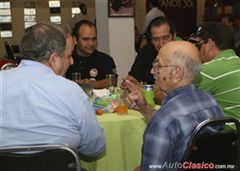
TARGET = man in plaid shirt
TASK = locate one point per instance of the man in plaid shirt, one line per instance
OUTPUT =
(170, 127)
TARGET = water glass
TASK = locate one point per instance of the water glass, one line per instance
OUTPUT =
(76, 76)
(112, 80)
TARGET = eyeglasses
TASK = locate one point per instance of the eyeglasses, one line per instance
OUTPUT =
(163, 38)
(156, 66)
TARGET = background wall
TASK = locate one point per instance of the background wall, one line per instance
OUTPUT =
(140, 13)
(115, 35)
(42, 14)
(121, 45)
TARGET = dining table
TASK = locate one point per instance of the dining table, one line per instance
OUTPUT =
(124, 138)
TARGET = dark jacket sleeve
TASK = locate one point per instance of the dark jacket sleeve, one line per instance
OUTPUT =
(141, 68)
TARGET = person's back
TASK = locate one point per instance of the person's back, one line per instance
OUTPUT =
(40, 106)
(169, 128)
(220, 74)
(181, 111)
(221, 78)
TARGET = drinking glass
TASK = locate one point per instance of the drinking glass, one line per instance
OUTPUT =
(112, 82)
(88, 88)
(76, 76)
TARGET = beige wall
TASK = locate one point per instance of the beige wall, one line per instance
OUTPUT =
(140, 12)
(43, 14)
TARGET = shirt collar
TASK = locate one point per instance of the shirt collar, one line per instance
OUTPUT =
(25, 63)
(226, 53)
(178, 91)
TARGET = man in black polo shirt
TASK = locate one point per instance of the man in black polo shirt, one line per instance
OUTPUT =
(161, 30)
(92, 64)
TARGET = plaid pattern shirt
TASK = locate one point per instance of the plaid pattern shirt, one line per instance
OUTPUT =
(168, 132)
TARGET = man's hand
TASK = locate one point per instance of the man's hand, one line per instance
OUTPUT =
(134, 100)
(130, 78)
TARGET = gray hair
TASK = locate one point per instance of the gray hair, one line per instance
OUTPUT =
(41, 40)
(192, 67)
(66, 29)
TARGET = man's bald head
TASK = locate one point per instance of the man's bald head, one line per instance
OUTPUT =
(183, 47)
(184, 55)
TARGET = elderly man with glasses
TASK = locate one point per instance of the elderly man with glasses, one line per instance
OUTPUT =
(220, 74)
(169, 128)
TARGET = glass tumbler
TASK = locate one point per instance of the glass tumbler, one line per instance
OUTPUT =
(76, 76)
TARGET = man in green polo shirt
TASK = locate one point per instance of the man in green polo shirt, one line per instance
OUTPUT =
(220, 74)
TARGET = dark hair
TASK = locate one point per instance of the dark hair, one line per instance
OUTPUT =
(154, 3)
(82, 5)
(83, 9)
(79, 24)
(158, 21)
(222, 35)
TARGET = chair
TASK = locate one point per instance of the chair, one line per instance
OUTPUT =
(220, 147)
(7, 64)
(39, 158)
(9, 50)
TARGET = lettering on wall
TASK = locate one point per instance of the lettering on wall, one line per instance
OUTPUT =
(179, 10)
(177, 3)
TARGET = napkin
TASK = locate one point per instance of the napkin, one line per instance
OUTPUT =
(101, 92)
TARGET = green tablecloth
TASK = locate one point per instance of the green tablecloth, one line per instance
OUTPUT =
(124, 137)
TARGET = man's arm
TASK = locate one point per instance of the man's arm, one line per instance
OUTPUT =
(92, 142)
(100, 84)
(130, 78)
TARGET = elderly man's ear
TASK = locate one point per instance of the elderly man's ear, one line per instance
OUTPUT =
(177, 74)
(54, 62)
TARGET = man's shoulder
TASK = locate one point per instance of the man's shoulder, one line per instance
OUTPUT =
(188, 101)
(188, 105)
(221, 65)
(67, 89)
(63, 82)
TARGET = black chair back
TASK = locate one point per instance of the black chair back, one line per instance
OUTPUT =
(39, 158)
(221, 148)
(9, 51)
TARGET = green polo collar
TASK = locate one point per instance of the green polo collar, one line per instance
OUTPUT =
(226, 53)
